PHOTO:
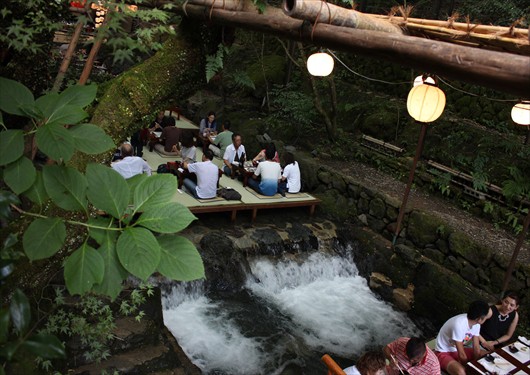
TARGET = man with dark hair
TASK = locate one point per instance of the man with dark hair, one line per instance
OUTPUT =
(458, 331)
(207, 175)
(270, 173)
(413, 356)
(234, 156)
(130, 165)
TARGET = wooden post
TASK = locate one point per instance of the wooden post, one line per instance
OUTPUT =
(518, 245)
(419, 150)
(68, 56)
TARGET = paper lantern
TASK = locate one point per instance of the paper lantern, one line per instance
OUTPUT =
(521, 113)
(320, 64)
(425, 103)
(419, 80)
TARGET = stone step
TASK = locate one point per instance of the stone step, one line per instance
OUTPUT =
(143, 360)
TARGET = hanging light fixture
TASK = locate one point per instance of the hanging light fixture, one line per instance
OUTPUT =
(425, 102)
(419, 80)
(521, 113)
(320, 64)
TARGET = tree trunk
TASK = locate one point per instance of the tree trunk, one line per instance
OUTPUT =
(68, 56)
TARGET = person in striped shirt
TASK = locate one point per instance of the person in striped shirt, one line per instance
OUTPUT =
(412, 356)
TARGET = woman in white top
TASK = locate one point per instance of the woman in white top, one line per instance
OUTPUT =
(291, 179)
(188, 151)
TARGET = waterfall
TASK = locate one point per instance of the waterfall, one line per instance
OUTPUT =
(291, 312)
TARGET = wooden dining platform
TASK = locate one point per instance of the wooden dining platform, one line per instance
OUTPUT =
(249, 202)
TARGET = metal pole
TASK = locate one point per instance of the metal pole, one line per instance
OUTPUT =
(419, 150)
(518, 245)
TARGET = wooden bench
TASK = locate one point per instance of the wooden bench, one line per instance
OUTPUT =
(381, 146)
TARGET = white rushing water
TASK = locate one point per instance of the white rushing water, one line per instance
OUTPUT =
(304, 309)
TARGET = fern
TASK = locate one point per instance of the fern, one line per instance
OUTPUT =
(518, 186)
(214, 63)
(242, 79)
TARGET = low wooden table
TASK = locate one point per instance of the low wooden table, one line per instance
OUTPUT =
(520, 367)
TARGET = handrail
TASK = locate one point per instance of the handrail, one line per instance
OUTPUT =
(333, 367)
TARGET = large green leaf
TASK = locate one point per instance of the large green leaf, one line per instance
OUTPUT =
(55, 141)
(84, 268)
(114, 271)
(107, 190)
(138, 251)
(4, 325)
(11, 146)
(20, 312)
(20, 175)
(37, 191)
(78, 95)
(66, 187)
(166, 218)
(13, 96)
(154, 190)
(47, 103)
(43, 238)
(45, 346)
(179, 259)
(100, 234)
(91, 139)
(66, 115)
(133, 182)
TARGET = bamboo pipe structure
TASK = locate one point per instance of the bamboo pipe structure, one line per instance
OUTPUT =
(323, 12)
(501, 71)
(462, 26)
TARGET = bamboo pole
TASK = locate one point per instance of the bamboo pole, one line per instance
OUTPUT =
(515, 45)
(463, 26)
(500, 71)
(324, 12)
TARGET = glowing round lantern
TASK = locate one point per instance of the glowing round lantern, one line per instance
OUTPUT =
(425, 103)
(320, 64)
(521, 113)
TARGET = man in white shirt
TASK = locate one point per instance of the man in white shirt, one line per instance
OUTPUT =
(207, 176)
(234, 154)
(130, 165)
(455, 333)
(270, 173)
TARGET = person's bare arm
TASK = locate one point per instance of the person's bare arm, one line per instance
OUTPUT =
(477, 352)
(462, 358)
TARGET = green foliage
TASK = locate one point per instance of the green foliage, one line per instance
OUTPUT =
(214, 63)
(260, 5)
(122, 244)
(112, 247)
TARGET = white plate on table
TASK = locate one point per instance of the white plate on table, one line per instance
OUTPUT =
(523, 355)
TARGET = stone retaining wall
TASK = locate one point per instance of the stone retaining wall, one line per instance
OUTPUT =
(437, 268)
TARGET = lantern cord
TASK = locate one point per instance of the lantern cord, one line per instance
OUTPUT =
(365, 77)
(471, 94)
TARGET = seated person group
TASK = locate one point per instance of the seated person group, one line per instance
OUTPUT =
(463, 338)
(166, 138)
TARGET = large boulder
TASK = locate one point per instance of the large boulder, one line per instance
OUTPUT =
(461, 245)
(423, 228)
(225, 267)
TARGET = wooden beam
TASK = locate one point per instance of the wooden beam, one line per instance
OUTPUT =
(501, 71)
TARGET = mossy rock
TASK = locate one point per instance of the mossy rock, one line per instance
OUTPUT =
(381, 125)
(336, 206)
(440, 294)
(377, 208)
(461, 245)
(273, 66)
(423, 228)
(308, 170)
